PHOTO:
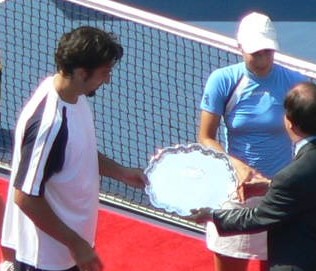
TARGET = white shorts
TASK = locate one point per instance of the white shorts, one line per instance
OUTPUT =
(244, 246)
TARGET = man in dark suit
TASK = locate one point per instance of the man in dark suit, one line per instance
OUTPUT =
(288, 211)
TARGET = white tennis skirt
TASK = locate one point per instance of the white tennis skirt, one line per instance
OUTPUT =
(243, 246)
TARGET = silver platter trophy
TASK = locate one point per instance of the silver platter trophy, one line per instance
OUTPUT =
(186, 177)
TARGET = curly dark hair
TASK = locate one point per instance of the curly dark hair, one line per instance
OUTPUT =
(87, 47)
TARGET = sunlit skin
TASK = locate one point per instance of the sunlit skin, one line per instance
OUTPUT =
(260, 63)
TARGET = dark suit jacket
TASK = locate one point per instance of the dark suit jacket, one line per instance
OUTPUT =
(287, 212)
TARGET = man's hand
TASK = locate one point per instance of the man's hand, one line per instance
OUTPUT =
(135, 177)
(85, 257)
(251, 183)
(201, 215)
(258, 186)
(131, 176)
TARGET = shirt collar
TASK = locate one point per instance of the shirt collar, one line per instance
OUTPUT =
(302, 143)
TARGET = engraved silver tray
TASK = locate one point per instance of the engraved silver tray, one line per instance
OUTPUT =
(186, 177)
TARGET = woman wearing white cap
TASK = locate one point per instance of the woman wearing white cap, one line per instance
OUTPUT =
(249, 96)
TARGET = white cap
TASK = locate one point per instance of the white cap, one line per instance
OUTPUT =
(256, 32)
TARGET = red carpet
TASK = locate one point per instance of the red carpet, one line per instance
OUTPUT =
(129, 244)
(126, 243)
